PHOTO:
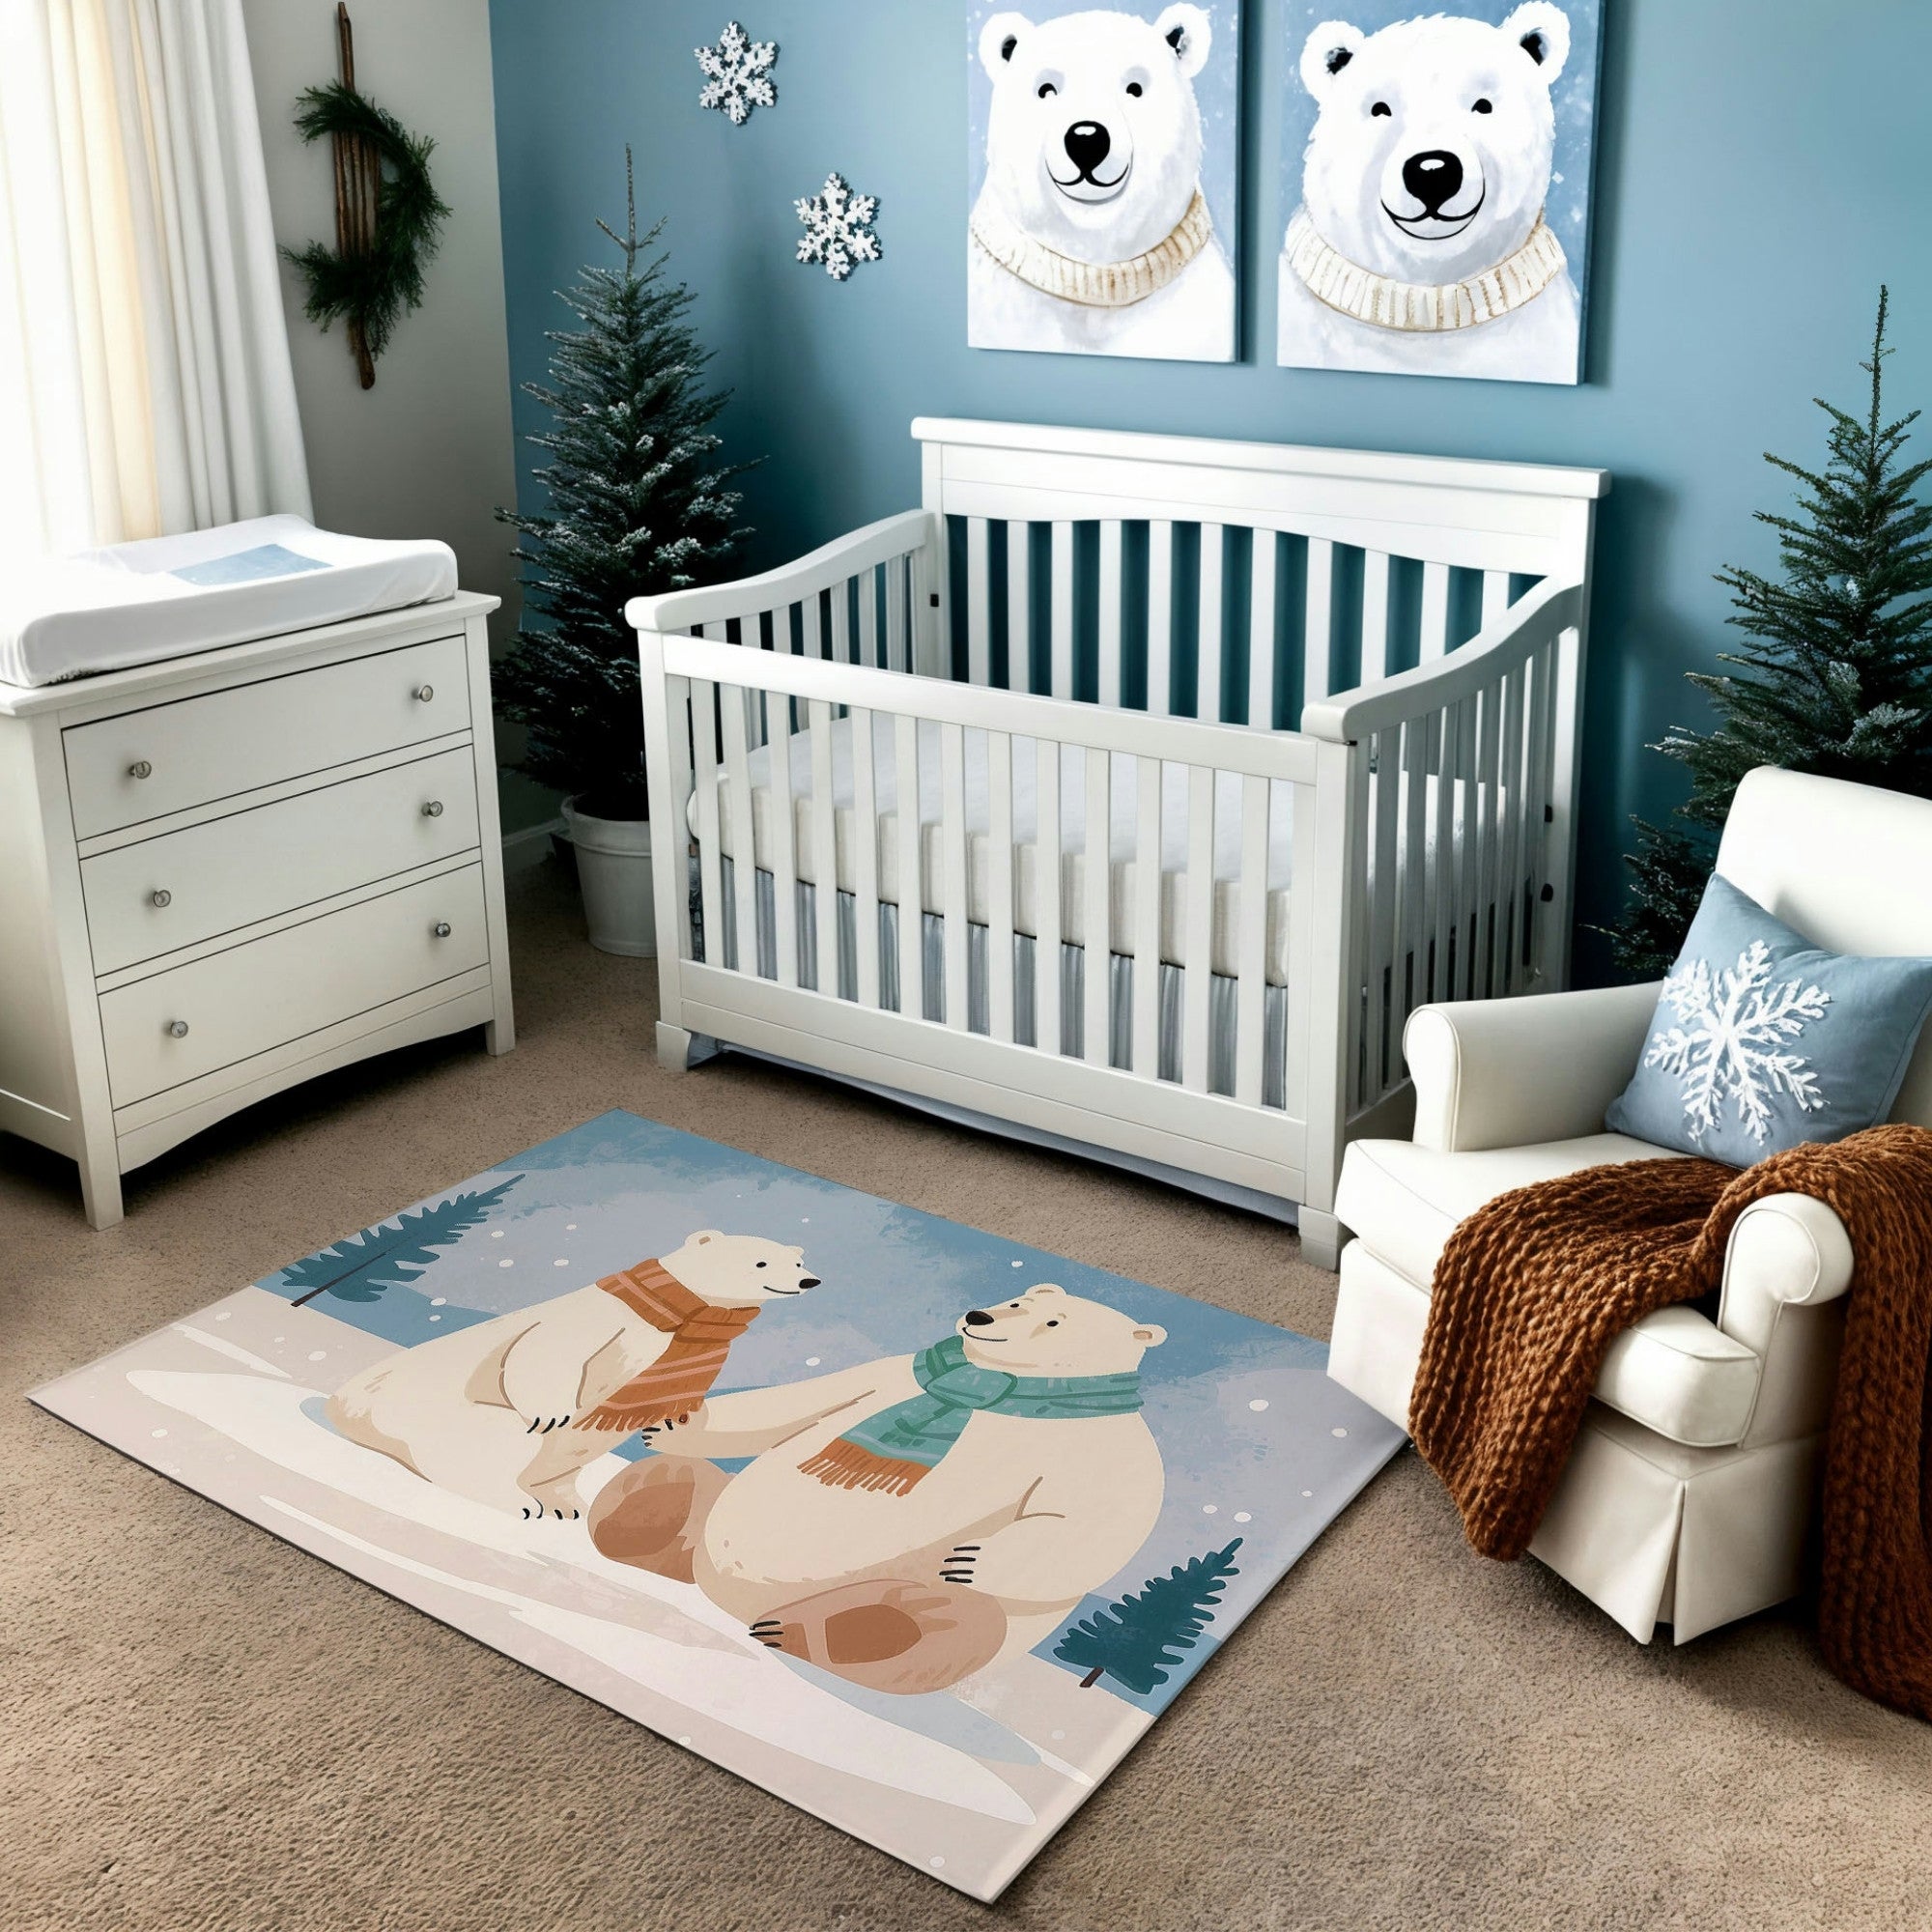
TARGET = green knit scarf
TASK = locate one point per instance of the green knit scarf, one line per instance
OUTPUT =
(894, 1448)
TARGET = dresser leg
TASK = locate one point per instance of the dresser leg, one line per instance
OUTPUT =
(500, 1034)
(100, 1195)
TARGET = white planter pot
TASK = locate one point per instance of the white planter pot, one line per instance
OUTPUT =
(613, 872)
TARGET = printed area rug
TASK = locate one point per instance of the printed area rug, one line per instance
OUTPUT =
(915, 1528)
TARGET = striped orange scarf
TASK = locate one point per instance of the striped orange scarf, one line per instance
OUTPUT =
(678, 1380)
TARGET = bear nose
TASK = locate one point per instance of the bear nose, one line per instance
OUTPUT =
(1086, 145)
(808, 1281)
(977, 1318)
(1433, 177)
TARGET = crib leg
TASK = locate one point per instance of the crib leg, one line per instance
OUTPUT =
(1321, 1238)
(674, 1047)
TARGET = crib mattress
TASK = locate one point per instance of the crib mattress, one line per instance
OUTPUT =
(165, 597)
(1125, 806)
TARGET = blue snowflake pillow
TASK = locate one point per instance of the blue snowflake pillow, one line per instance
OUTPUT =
(1762, 1040)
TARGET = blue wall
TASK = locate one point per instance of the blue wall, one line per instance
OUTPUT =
(1761, 167)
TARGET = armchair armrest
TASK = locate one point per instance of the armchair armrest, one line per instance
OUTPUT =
(1498, 1073)
(1788, 1266)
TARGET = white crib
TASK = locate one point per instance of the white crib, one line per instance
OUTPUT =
(1084, 629)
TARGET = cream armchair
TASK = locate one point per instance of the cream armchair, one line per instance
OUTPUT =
(1688, 1494)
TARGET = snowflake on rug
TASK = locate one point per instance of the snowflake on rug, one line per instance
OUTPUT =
(738, 73)
(1730, 1042)
(838, 228)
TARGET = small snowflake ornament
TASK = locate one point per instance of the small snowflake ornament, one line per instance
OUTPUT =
(838, 228)
(1730, 1042)
(737, 74)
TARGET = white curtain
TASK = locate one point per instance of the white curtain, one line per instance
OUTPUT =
(145, 380)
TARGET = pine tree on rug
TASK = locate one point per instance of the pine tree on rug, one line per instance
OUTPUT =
(391, 1254)
(1838, 679)
(637, 504)
(1139, 1639)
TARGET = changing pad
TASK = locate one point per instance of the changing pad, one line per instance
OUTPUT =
(137, 603)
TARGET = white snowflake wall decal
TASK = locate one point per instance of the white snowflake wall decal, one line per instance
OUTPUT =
(1730, 1042)
(837, 227)
(738, 73)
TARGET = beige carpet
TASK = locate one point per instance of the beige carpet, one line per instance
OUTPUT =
(199, 1726)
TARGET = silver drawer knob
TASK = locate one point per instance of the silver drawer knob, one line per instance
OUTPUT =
(441, 929)
(424, 693)
(177, 1029)
(163, 898)
(140, 769)
(433, 808)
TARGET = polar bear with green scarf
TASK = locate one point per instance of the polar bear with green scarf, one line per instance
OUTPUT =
(911, 1521)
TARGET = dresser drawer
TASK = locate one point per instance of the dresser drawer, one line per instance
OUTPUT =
(195, 1019)
(145, 764)
(205, 879)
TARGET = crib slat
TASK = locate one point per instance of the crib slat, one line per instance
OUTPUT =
(1356, 941)
(1197, 980)
(912, 895)
(1509, 910)
(1542, 706)
(1375, 616)
(1097, 919)
(869, 620)
(1251, 943)
(842, 621)
(952, 866)
(1160, 620)
(1434, 610)
(1495, 595)
(1382, 903)
(1449, 751)
(813, 645)
(1146, 919)
(1321, 618)
(704, 778)
(897, 613)
(1000, 884)
(1019, 606)
(678, 712)
(1046, 896)
(785, 851)
(1412, 953)
(1208, 678)
(824, 850)
(1487, 774)
(1301, 899)
(1062, 609)
(744, 855)
(978, 602)
(1262, 632)
(866, 860)
(1111, 632)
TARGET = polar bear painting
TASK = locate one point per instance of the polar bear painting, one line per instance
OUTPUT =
(1429, 240)
(1093, 231)
(510, 1411)
(911, 1521)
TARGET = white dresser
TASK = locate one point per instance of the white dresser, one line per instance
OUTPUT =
(229, 872)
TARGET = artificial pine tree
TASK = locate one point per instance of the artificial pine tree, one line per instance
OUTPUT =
(637, 504)
(1840, 678)
(1139, 1638)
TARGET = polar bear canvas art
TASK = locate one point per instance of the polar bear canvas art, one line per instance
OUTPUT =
(1094, 229)
(509, 1411)
(1440, 203)
(906, 1522)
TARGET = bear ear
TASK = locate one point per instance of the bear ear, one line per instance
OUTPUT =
(703, 1238)
(1150, 1336)
(1190, 33)
(1542, 30)
(1326, 51)
(997, 38)
(1046, 1288)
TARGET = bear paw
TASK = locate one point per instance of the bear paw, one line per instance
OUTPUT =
(889, 1636)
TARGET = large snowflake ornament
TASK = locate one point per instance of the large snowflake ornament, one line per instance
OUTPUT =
(738, 73)
(1730, 1042)
(838, 228)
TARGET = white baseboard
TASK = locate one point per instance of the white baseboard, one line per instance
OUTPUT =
(529, 848)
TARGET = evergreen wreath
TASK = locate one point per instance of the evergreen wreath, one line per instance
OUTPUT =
(1838, 676)
(375, 276)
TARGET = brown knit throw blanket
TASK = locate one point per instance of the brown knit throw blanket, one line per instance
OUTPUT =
(677, 1381)
(1534, 1286)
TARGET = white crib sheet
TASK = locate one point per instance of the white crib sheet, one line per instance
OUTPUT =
(1124, 810)
(165, 597)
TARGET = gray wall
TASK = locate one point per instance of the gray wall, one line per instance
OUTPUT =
(426, 452)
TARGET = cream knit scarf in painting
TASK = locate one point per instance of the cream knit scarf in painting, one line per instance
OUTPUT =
(1419, 307)
(1092, 284)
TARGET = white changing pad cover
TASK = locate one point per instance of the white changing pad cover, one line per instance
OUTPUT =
(164, 597)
